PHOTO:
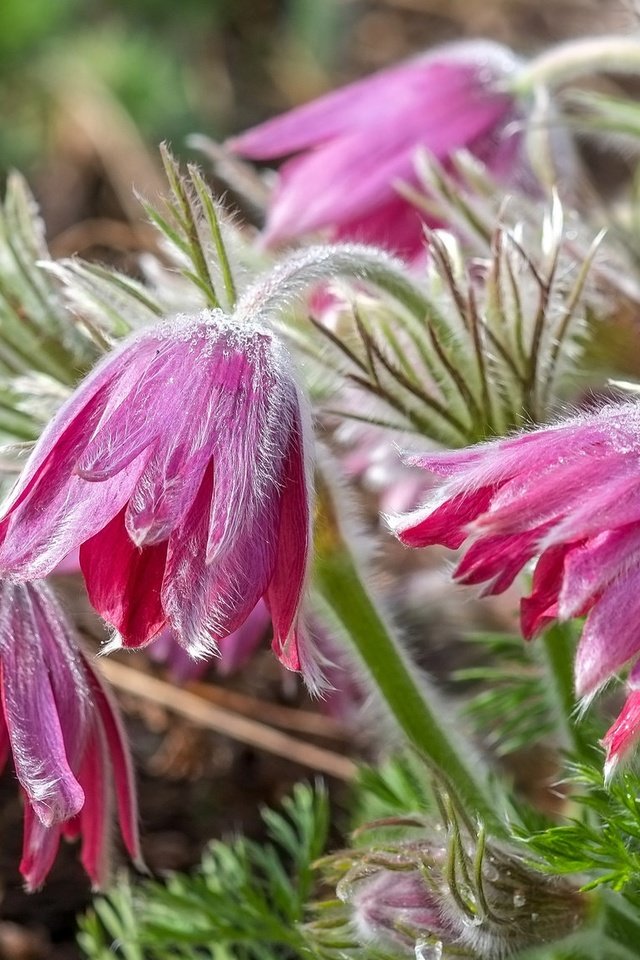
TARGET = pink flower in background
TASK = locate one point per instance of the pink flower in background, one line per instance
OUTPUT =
(568, 495)
(348, 150)
(63, 732)
(180, 468)
(234, 654)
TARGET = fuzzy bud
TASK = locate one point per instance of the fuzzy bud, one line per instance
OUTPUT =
(453, 899)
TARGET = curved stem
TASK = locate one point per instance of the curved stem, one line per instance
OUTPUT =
(576, 58)
(559, 652)
(406, 692)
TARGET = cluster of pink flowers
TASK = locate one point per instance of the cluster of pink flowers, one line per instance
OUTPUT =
(180, 470)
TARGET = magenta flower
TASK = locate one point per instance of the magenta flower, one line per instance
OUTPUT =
(179, 467)
(63, 732)
(568, 495)
(348, 150)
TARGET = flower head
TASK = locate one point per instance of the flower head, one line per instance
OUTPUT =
(63, 732)
(179, 468)
(567, 495)
(406, 897)
(348, 150)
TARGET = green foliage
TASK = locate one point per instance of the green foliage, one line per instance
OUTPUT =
(399, 787)
(509, 702)
(511, 699)
(603, 842)
(485, 352)
(42, 350)
(246, 900)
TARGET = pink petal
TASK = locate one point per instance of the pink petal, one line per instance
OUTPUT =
(497, 560)
(447, 522)
(532, 499)
(206, 602)
(95, 817)
(359, 170)
(240, 645)
(33, 713)
(124, 582)
(122, 770)
(590, 567)
(139, 417)
(396, 225)
(247, 462)
(75, 509)
(292, 559)
(541, 606)
(39, 849)
(623, 734)
(5, 743)
(323, 118)
(610, 637)
(612, 504)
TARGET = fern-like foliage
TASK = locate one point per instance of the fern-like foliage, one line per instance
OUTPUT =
(508, 699)
(246, 900)
(603, 842)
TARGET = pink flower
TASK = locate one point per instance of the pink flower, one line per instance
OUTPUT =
(568, 495)
(397, 908)
(65, 737)
(179, 467)
(348, 150)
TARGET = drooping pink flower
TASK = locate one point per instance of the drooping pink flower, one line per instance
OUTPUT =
(63, 732)
(179, 467)
(348, 150)
(569, 496)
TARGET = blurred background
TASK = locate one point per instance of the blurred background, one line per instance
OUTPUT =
(87, 90)
(89, 87)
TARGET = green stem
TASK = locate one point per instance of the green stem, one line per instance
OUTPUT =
(406, 695)
(576, 58)
(559, 653)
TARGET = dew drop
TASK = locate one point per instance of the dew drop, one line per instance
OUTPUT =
(428, 950)
(491, 873)
(519, 899)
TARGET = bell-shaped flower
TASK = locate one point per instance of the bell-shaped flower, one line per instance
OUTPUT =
(348, 151)
(60, 727)
(180, 469)
(567, 496)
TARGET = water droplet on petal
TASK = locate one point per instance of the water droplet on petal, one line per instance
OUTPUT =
(428, 950)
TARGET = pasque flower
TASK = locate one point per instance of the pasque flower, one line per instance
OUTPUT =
(348, 150)
(568, 495)
(60, 727)
(404, 897)
(179, 467)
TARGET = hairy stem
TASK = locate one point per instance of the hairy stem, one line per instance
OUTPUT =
(407, 694)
